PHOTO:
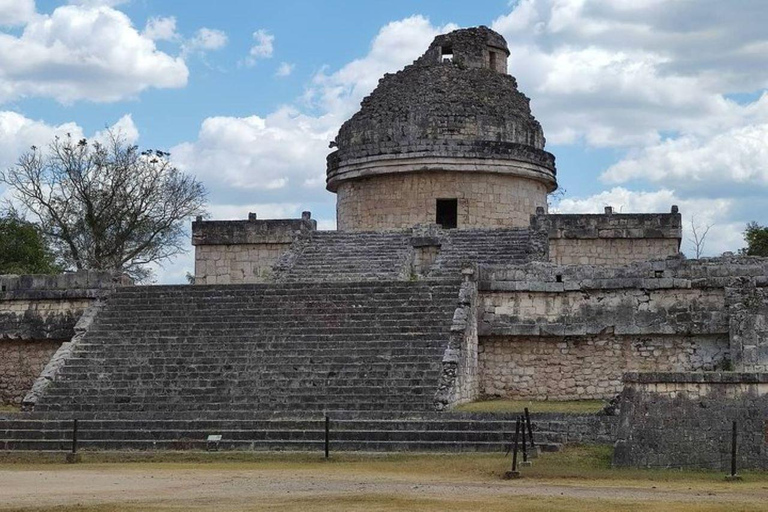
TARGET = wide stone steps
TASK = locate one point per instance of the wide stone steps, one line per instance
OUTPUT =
(305, 434)
(287, 347)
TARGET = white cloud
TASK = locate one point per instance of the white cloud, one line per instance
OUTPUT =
(206, 39)
(18, 133)
(16, 12)
(283, 151)
(280, 157)
(284, 69)
(262, 211)
(623, 74)
(124, 127)
(724, 235)
(82, 53)
(736, 156)
(397, 44)
(99, 3)
(263, 47)
(161, 28)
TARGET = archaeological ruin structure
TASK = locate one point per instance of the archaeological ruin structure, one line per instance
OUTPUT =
(446, 281)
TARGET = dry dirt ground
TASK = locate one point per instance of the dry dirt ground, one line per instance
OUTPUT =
(428, 484)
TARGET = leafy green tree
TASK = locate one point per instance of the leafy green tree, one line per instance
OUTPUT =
(756, 237)
(107, 205)
(23, 248)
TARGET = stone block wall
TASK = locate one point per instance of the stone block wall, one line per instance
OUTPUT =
(21, 361)
(37, 314)
(400, 201)
(610, 238)
(587, 367)
(569, 331)
(684, 420)
(610, 251)
(243, 251)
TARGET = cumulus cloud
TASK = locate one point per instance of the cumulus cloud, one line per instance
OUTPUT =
(280, 157)
(161, 28)
(16, 12)
(397, 44)
(18, 133)
(282, 152)
(284, 69)
(84, 53)
(623, 73)
(736, 157)
(263, 47)
(205, 39)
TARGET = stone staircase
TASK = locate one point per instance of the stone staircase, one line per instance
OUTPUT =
(446, 432)
(483, 247)
(272, 347)
(346, 256)
(366, 256)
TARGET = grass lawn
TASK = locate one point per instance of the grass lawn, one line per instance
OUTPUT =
(501, 406)
(576, 479)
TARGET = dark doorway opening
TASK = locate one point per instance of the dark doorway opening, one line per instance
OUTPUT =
(447, 213)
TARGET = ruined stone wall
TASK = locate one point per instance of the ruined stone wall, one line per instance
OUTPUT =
(401, 201)
(610, 238)
(685, 420)
(37, 314)
(21, 361)
(610, 251)
(558, 331)
(587, 367)
(243, 251)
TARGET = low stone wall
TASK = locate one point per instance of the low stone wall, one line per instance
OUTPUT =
(587, 367)
(610, 238)
(243, 251)
(37, 314)
(684, 420)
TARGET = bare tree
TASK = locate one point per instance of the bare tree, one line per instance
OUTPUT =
(698, 236)
(106, 206)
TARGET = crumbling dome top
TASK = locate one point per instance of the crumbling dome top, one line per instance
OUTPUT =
(455, 102)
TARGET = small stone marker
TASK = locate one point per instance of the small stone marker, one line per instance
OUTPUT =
(213, 442)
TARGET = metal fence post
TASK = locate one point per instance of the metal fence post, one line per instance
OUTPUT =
(327, 435)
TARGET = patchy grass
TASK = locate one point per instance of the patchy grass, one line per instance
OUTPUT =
(572, 464)
(384, 502)
(374, 476)
(503, 406)
(9, 408)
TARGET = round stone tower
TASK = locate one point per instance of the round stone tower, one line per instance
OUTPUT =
(447, 140)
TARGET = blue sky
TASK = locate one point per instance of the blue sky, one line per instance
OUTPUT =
(645, 103)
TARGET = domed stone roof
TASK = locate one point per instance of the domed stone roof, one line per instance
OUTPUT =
(455, 102)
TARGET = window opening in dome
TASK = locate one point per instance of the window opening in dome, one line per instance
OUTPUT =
(492, 55)
(447, 213)
(447, 53)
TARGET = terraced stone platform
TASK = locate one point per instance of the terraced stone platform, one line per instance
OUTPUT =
(287, 347)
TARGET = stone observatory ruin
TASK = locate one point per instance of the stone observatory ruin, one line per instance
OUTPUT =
(447, 281)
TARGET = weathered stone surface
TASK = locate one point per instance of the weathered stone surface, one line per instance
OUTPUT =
(684, 420)
(443, 128)
(37, 314)
(243, 251)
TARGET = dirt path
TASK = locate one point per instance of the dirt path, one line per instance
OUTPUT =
(237, 488)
